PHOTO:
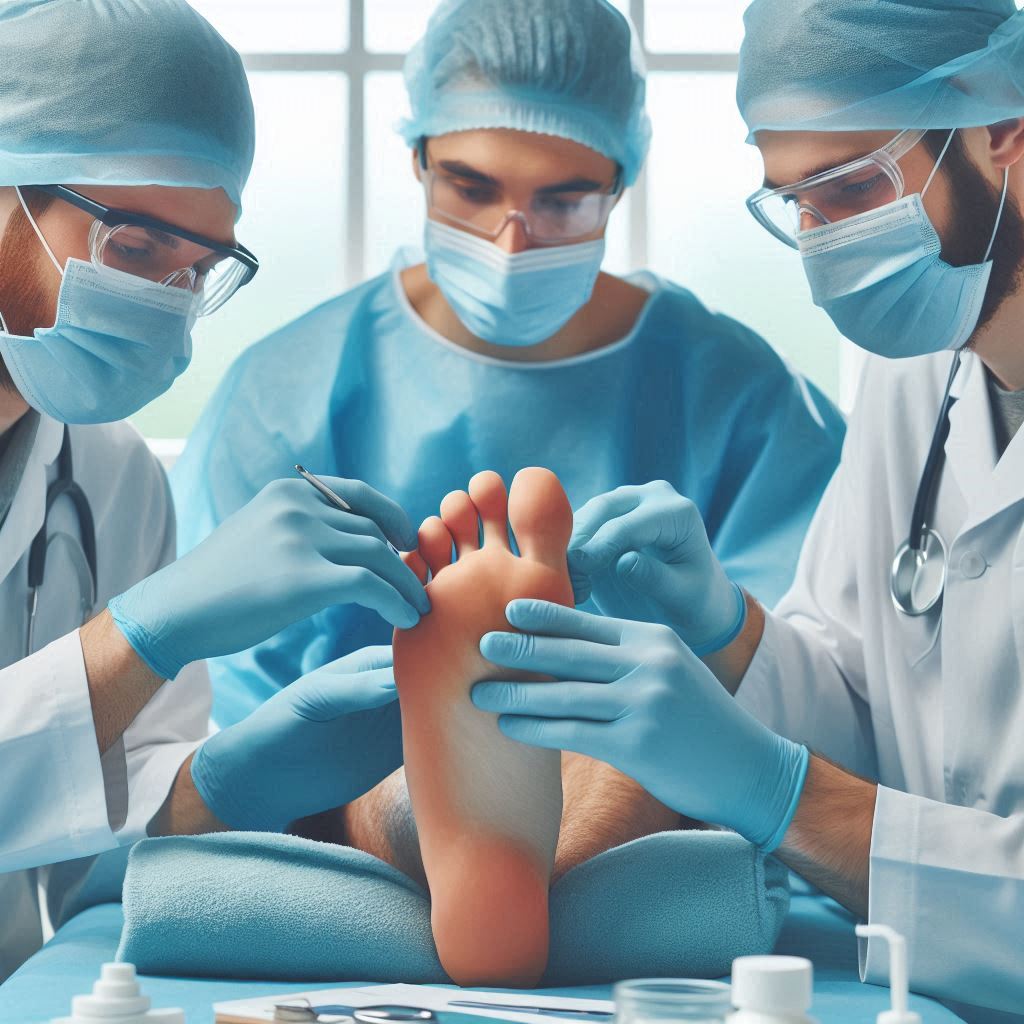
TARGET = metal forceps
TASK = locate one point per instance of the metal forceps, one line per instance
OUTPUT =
(302, 1011)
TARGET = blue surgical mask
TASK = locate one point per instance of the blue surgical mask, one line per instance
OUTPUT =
(515, 299)
(118, 342)
(881, 279)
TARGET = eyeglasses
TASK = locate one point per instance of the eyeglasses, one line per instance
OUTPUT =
(845, 191)
(553, 218)
(155, 251)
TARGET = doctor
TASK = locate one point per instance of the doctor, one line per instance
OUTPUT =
(146, 110)
(893, 145)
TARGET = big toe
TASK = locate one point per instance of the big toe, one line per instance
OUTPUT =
(541, 516)
(487, 490)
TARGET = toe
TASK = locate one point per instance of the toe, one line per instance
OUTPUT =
(541, 516)
(414, 561)
(435, 544)
(459, 515)
(487, 490)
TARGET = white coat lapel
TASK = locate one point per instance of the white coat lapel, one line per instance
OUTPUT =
(987, 487)
(27, 510)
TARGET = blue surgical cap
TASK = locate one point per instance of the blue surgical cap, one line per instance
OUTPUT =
(860, 65)
(121, 92)
(571, 68)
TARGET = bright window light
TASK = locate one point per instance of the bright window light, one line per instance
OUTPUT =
(333, 196)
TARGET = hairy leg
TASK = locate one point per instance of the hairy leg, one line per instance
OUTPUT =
(602, 808)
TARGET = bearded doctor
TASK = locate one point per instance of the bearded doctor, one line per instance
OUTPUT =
(875, 738)
(125, 141)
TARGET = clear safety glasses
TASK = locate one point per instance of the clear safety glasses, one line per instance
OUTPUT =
(155, 251)
(554, 216)
(845, 191)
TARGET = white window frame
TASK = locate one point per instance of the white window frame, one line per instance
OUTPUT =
(356, 63)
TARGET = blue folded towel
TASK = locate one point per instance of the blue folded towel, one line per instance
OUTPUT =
(272, 907)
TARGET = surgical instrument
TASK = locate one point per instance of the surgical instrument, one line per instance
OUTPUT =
(546, 1011)
(335, 499)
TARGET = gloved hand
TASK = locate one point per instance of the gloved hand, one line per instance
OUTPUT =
(635, 696)
(285, 556)
(317, 744)
(643, 553)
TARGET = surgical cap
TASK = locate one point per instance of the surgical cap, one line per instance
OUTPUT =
(859, 65)
(121, 92)
(571, 68)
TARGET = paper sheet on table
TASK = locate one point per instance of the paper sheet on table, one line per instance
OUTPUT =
(429, 997)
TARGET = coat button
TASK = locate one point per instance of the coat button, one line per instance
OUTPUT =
(973, 564)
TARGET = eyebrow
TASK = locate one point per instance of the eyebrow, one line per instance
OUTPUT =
(815, 171)
(461, 170)
(573, 185)
(163, 237)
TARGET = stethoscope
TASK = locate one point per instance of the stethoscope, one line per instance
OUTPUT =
(918, 576)
(63, 486)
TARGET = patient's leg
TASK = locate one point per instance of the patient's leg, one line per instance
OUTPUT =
(602, 808)
(488, 809)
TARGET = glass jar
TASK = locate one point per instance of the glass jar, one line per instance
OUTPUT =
(662, 1000)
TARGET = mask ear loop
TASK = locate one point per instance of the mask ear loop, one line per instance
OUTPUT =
(935, 169)
(999, 215)
(39, 234)
(1002, 199)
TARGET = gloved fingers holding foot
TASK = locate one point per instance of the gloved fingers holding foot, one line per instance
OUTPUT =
(665, 721)
(643, 552)
(283, 557)
(360, 681)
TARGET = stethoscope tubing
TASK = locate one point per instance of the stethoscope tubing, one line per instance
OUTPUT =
(64, 486)
(914, 552)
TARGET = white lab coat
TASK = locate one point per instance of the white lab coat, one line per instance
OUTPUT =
(930, 707)
(58, 799)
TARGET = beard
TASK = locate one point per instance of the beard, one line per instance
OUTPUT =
(975, 209)
(27, 294)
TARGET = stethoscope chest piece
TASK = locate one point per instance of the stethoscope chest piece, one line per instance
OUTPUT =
(919, 575)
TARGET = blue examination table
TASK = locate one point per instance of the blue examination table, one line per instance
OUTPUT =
(42, 989)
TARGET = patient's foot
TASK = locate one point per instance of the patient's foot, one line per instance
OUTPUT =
(487, 809)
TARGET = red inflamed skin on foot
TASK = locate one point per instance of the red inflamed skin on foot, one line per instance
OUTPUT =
(487, 809)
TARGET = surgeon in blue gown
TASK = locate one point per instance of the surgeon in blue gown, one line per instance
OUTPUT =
(508, 347)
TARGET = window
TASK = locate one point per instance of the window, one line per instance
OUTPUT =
(332, 196)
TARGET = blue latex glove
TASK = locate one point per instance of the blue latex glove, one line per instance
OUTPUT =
(643, 553)
(285, 556)
(634, 695)
(319, 743)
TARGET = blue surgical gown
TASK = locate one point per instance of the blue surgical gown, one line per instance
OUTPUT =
(361, 387)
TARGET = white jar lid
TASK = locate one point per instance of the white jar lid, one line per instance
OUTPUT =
(772, 984)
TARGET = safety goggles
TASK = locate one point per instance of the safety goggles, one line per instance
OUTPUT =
(155, 251)
(554, 217)
(835, 195)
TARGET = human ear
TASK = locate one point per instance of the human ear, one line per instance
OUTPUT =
(1006, 142)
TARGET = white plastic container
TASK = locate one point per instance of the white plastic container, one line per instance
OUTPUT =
(772, 990)
(118, 997)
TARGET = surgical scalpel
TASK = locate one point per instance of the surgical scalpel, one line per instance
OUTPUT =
(546, 1011)
(335, 499)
